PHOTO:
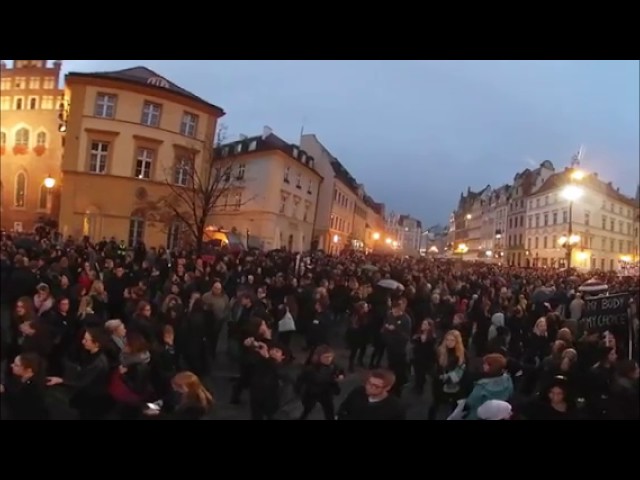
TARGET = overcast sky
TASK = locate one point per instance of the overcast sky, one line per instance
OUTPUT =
(417, 133)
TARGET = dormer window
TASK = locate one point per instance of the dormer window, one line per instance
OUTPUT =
(253, 145)
(287, 171)
(303, 158)
(294, 152)
(299, 180)
(238, 148)
(224, 152)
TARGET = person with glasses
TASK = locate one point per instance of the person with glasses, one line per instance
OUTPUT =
(373, 401)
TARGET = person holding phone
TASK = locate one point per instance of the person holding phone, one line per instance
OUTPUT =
(192, 401)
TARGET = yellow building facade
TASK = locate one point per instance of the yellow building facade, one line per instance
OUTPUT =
(128, 134)
(30, 143)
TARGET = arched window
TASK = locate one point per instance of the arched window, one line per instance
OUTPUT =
(44, 196)
(41, 139)
(22, 137)
(20, 192)
(3, 139)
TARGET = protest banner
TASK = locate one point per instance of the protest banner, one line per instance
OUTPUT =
(608, 313)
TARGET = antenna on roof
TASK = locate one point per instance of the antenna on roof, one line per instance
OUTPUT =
(577, 158)
(304, 119)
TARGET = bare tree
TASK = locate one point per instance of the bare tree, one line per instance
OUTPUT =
(196, 192)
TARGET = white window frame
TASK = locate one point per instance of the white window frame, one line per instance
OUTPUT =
(173, 235)
(189, 124)
(19, 83)
(5, 103)
(237, 201)
(31, 99)
(137, 226)
(144, 163)
(181, 172)
(15, 191)
(242, 170)
(15, 103)
(47, 102)
(5, 84)
(105, 106)
(43, 198)
(17, 141)
(287, 171)
(98, 157)
(34, 83)
(151, 113)
(49, 83)
(41, 141)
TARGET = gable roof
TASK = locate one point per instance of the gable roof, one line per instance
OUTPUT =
(145, 76)
(560, 179)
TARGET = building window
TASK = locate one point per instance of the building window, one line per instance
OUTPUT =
(546, 219)
(587, 218)
(242, 168)
(305, 214)
(310, 187)
(537, 220)
(565, 216)
(49, 83)
(151, 114)
(5, 103)
(299, 180)
(18, 103)
(189, 124)
(612, 224)
(20, 195)
(136, 231)
(41, 139)
(105, 105)
(253, 145)
(144, 161)
(47, 103)
(20, 82)
(544, 242)
(98, 157)
(529, 221)
(34, 83)
(5, 84)
(283, 203)
(620, 226)
(3, 139)
(44, 196)
(287, 171)
(604, 222)
(536, 243)
(22, 138)
(33, 103)
(237, 201)
(181, 172)
(173, 235)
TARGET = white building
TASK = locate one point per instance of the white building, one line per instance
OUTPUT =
(279, 192)
(406, 230)
(602, 219)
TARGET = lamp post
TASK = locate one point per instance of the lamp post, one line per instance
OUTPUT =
(49, 183)
(572, 193)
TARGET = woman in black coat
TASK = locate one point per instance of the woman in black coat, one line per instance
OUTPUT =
(192, 338)
(91, 380)
(189, 400)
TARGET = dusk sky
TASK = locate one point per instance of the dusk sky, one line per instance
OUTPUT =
(417, 133)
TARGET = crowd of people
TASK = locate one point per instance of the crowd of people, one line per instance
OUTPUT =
(134, 334)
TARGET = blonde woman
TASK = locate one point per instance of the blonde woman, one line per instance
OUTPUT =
(193, 403)
(99, 298)
(86, 316)
(448, 385)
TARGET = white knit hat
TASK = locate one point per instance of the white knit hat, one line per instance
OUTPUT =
(494, 410)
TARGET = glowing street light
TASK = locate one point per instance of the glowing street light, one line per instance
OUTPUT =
(336, 239)
(49, 182)
(572, 193)
(388, 241)
(376, 236)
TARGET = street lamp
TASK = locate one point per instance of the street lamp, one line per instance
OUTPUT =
(571, 193)
(49, 182)
(376, 236)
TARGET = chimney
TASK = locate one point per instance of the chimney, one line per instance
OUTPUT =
(266, 131)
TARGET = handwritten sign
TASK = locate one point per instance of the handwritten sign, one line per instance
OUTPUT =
(606, 312)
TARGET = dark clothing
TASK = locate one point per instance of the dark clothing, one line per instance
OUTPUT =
(91, 381)
(357, 406)
(25, 400)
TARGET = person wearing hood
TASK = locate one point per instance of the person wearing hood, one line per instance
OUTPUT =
(496, 384)
(497, 321)
(495, 410)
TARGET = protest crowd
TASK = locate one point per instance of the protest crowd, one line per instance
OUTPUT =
(135, 334)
